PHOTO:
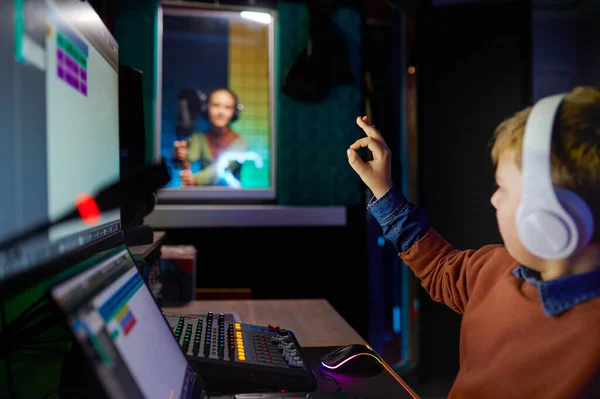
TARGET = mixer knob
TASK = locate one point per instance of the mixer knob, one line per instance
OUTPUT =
(282, 332)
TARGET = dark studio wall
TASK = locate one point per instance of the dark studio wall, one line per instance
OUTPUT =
(474, 71)
(565, 37)
(312, 137)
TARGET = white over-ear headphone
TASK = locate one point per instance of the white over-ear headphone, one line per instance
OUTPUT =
(552, 222)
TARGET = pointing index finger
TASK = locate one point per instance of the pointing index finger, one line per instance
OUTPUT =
(368, 129)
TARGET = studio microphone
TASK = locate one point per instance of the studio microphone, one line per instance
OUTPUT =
(135, 187)
(189, 108)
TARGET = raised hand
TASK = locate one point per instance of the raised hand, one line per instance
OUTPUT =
(377, 173)
(187, 179)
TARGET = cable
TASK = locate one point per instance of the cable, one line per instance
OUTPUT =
(338, 386)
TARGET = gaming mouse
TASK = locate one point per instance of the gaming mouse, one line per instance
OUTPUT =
(352, 358)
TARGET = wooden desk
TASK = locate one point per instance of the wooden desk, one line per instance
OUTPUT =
(314, 321)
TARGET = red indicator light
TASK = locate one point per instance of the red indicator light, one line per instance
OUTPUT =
(88, 209)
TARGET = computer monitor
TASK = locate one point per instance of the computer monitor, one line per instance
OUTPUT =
(122, 332)
(60, 127)
(215, 103)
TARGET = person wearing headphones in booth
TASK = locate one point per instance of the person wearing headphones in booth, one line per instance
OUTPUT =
(221, 107)
(531, 307)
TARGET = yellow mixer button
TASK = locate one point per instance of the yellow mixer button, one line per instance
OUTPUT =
(238, 334)
(238, 326)
(242, 358)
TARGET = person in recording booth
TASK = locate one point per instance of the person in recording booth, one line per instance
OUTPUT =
(531, 307)
(221, 107)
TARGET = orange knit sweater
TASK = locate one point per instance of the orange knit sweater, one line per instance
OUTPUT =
(508, 347)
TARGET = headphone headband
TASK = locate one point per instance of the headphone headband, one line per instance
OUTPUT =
(536, 165)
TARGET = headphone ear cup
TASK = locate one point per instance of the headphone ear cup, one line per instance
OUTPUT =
(237, 111)
(580, 212)
(544, 234)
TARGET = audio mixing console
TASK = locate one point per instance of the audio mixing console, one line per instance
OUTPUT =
(231, 356)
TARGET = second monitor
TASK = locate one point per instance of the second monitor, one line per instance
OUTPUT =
(216, 103)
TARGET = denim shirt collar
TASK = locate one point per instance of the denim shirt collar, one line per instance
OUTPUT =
(563, 293)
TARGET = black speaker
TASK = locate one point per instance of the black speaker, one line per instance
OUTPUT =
(132, 143)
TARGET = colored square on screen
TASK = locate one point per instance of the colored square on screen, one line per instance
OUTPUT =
(60, 72)
(126, 319)
(83, 89)
(129, 326)
(72, 81)
(72, 65)
(83, 74)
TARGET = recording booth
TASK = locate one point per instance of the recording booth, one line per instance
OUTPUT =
(79, 318)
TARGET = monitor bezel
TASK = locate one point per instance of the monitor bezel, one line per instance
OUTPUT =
(43, 271)
(37, 273)
(216, 194)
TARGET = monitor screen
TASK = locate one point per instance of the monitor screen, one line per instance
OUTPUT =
(122, 331)
(216, 103)
(60, 126)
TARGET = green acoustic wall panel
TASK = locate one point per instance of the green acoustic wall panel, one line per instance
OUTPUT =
(312, 168)
(135, 31)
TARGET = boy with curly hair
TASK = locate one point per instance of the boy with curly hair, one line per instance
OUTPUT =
(531, 323)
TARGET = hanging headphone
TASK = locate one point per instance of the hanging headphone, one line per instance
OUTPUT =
(552, 222)
(205, 102)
